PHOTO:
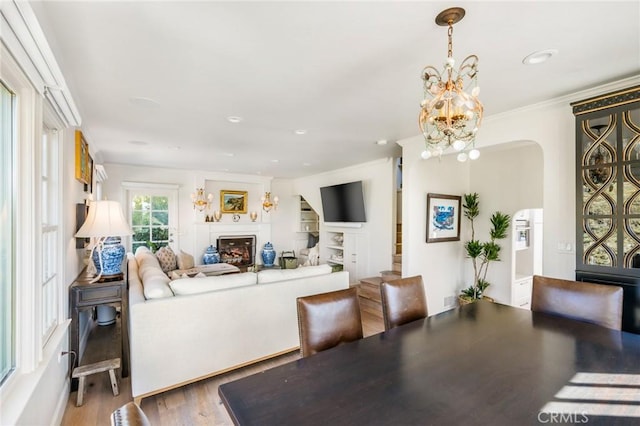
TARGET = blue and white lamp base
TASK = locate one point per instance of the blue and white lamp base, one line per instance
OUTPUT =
(112, 254)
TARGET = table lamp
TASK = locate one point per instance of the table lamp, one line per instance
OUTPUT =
(107, 224)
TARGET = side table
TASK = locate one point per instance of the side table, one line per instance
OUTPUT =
(84, 295)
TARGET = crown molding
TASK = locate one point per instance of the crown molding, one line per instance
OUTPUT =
(23, 37)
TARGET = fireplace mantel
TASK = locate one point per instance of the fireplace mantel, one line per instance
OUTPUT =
(207, 233)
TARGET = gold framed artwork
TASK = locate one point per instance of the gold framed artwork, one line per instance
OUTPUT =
(83, 160)
(233, 201)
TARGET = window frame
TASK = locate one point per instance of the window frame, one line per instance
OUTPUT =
(130, 189)
(32, 113)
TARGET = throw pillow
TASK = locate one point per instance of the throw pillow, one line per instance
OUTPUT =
(313, 240)
(167, 259)
(185, 260)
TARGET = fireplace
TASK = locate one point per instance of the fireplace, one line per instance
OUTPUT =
(238, 250)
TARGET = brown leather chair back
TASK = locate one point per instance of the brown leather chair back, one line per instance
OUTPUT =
(595, 303)
(403, 301)
(328, 319)
(129, 415)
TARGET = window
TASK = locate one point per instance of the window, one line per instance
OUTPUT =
(50, 277)
(150, 221)
(152, 212)
(7, 229)
(32, 292)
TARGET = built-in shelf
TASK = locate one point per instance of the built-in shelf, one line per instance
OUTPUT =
(309, 221)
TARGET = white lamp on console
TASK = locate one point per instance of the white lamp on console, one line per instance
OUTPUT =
(106, 223)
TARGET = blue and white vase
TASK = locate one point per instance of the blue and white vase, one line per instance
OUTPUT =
(112, 253)
(268, 255)
(211, 256)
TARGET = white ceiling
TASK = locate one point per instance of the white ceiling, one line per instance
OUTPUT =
(347, 72)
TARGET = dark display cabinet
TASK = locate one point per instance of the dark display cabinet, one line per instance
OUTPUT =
(608, 195)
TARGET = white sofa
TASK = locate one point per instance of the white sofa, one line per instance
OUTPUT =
(228, 321)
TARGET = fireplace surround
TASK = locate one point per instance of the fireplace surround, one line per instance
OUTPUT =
(237, 250)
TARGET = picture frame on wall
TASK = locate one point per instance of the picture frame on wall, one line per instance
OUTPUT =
(233, 201)
(443, 218)
(88, 187)
(82, 169)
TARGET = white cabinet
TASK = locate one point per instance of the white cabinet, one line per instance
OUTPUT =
(349, 249)
(335, 248)
(521, 292)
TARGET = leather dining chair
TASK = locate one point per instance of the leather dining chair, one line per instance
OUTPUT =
(129, 415)
(403, 301)
(595, 303)
(328, 319)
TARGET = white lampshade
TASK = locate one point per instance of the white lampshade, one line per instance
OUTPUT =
(105, 219)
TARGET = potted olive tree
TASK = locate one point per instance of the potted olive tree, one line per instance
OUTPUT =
(482, 253)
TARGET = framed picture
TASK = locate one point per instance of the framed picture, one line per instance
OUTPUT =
(443, 218)
(233, 201)
(83, 172)
(88, 187)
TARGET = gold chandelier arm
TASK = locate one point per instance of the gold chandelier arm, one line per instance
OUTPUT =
(469, 67)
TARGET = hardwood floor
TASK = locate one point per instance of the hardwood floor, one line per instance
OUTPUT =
(194, 404)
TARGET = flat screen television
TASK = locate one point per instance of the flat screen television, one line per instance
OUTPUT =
(343, 202)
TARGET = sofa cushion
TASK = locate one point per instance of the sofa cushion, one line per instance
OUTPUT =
(148, 264)
(156, 287)
(141, 251)
(184, 260)
(272, 275)
(167, 258)
(313, 239)
(186, 286)
(209, 270)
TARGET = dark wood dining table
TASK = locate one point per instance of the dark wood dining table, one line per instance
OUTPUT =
(481, 364)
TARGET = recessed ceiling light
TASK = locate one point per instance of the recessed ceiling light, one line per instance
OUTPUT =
(234, 119)
(144, 102)
(139, 143)
(301, 132)
(306, 164)
(381, 142)
(539, 56)
(275, 161)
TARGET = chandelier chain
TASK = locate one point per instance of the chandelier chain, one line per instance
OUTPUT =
(450, 45)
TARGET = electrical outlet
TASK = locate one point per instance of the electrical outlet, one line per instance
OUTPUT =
(450, 301)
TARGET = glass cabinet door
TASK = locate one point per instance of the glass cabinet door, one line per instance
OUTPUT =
(608, 185)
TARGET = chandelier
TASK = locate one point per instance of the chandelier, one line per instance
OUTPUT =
(449, 115)
(199, 201)
(267, 204)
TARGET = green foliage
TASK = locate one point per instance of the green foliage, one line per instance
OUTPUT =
(471, 205)
(482, 253)
(475, 292)
(499, 225)
(474, 248)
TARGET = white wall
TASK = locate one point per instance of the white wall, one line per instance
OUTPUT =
(508, 178)
(190, 221)
(284, 220)
(379, 197)
(440, 264)
(552, 126)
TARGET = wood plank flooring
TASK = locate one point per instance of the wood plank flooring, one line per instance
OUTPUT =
(194, 404)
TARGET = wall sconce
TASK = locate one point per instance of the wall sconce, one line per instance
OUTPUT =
(199, 201)
(267, 204)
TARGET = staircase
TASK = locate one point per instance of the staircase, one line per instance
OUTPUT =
(369, 289)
